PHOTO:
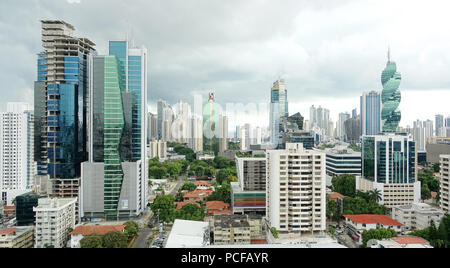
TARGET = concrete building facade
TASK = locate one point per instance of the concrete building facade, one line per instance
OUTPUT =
(296, 196)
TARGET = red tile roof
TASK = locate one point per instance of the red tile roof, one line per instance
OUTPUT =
(258, 241)
(217, 205)
(8, 231)
(405, 240)
(371, 218)
(198, 183)
(180, 205)
(97, 229)
(335, 195)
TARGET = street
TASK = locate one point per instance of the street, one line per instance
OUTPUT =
(146, 232)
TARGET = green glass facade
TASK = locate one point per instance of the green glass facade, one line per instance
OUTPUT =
(114, 123)
(388, 159)
(390, 97)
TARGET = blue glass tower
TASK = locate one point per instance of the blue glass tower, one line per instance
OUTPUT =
(371, 113)
(61, 101)
(278, 109)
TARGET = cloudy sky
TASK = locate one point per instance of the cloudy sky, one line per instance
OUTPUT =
(328, 51)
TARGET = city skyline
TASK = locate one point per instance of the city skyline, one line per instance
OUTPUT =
(323, 64)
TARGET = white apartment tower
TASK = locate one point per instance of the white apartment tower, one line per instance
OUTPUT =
(295, 201)
(54, 219)
(444, 175)
(223, 133)
(17, 168)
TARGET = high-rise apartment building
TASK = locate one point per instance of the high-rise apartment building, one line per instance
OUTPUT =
(340, 127)
(296, 198)
(439, 124)
(152, 131)
(423, 134)
(195, 141)
(17, 167)
(223, 133)
(55, 217)
(444, 201)
(389, 164)
(165, 118)
(370, 113)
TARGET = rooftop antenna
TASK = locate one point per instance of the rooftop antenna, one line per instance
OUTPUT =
(389, 54)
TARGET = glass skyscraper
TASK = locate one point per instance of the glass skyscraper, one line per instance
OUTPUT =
(61, 101)
(389, 159)
(278, 109)
(133, 69)
(390, 97)
(370, 113)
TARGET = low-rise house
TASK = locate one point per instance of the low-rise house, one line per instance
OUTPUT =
(198, 195)
(9, 210)
(357, 224)
(82, 231)
(417, 216)
(180, 205)
(203, 185)
(17, 237)
(217, 207)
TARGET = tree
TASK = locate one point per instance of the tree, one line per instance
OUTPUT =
(115, 239)
(131, 229)
(232, 179)
(92, 241)
(166, 207)
(157, 172)
(377, 234)
(345, 184)
(190, 212)
(375, 195)
(174, 169)
(426, 193)
(436, 167)
(189, 186)
(222, 193)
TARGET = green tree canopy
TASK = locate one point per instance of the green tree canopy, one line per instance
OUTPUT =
(189, 186)
(115, 239)
(190, 212)
(345, 184)
(165, 205)
(157, 172)
(92, 241)
(378, 234)
(131, 229)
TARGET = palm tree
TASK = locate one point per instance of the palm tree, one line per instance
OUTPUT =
(375, 195)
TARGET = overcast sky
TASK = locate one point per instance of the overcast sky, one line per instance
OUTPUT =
(328, 52)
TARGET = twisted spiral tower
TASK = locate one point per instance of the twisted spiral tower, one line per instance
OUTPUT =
(390, 96)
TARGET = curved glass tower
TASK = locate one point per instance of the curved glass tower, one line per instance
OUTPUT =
(390, 97)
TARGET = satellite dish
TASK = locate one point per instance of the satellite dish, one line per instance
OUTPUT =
(372, 243)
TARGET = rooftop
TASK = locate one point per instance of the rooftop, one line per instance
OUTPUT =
(180, 205)
(227, 221)
(97, 229)
(407, 240)
(372, 218)
(8, 231)
(188, 234)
